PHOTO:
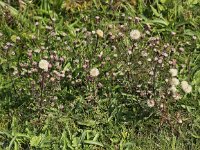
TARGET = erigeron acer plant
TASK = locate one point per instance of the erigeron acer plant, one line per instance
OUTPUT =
(121, 59)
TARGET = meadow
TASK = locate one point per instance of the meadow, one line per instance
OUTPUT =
(99, 75)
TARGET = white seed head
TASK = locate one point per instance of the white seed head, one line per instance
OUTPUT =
(94, 72)
(151, 103)
(99, 33)
(173, 89)
(186, 87)
(174, 82)
(135, 34)
(44, 64)
(173, 72)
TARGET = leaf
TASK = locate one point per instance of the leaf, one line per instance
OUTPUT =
(163, 1)
(189, 108)
(174, 143)
(35, 141)
(12, 10)
(195, 136)
(93, 143)
(196, 78)
(96, 137)
(193, 2)
(160, 21)
(155, 12)
(88, 123)
(189, 32)
(2, 61)
(13, 38)
(67, 66)
(160, 7)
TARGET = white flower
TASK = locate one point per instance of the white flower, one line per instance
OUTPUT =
(173, 89)
(43, 64)
(94, 72)
(99, 33)
(177, 96)
(151, 103)
(180, 120)
(174, 82)
(186, 87)
(173, 72)
(135, 34)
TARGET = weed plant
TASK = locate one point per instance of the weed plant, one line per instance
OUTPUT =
(101, 77)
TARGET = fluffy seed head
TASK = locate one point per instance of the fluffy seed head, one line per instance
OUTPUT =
(94, 72)
(135, 34)
(44, 64)
(99, 33)
(186, 87)
(174, 82)
(173, 72)
(151, 103)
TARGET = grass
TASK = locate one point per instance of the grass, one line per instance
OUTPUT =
(105, 80)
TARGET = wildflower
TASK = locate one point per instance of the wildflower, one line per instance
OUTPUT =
(144, 54)
(100, 55)
(15, 72)
(186, 87)
(99, 33)
(177, 96)
(115, 55)
(174, 82)
(173, 72)
(130, 52)
(173, 33)
(44, 64)
(173, 89)
(139, 62)
(181, 49)
(161, 105)
(151, 103)
(135, 34)
(179, 120)
(94, 72)
(149, 59)
(37, 50)
(194, 37)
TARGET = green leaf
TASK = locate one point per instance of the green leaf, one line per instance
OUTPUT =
(160, 7)
(155, 12)
(160, 21)
(13, 38)
(174, 143)
(2, 61)
(189, 108)
(193, 2)
(195, 136)
(88, 123)
(67, 66)
(93, 143)
(35, 141)
(163, 1)
(189, 32)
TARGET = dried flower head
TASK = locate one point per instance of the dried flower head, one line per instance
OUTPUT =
(135, 34)
(173, 72)
(44, 64)
(94, 72)
(151, 103)
(186, 87)
(99, 33)
(173, 89)
(174, 82)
